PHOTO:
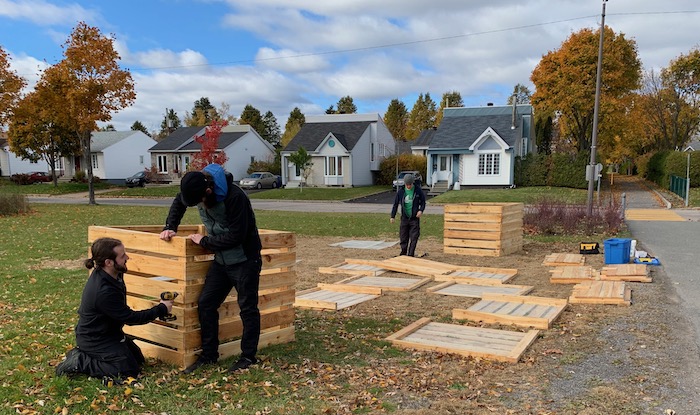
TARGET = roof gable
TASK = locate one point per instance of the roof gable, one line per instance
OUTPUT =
(463, 131)
(311, 135)
(489, 140)
(177, 139)
(101, 140)
(225, 140)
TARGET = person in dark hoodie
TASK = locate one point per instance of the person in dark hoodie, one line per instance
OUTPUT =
(232, 235)
(411, 200)
(102, 347)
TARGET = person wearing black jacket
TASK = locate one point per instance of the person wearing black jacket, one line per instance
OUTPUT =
(411, 200)
(233, 236)
(102, 347)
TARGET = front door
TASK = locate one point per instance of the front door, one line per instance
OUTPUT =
(444, 168)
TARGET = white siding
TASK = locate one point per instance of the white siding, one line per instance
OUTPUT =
(361, 167)
(11, 164)
(469, 166)
(240, 152)
(124, 158)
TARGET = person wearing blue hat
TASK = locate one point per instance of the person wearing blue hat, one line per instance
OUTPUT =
(232, 235)
(411, 199)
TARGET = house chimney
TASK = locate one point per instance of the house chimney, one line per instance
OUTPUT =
(512, 126)
(489, 104)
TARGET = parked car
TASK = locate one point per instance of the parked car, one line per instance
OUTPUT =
(261, 179)
(39, 177)
(399, 179)
(137, 180)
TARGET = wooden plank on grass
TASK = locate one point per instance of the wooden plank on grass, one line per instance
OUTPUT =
(384, 283)
(352, 269)
(563, 259)
(408, 265)
(626, 272)
(601, 292)
(317, 298)
(477, 291)
(573, 274)
(501, 345)
(486, 276)
(524, 311)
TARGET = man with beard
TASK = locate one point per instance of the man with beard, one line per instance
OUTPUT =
(102, 347)
(233, 236)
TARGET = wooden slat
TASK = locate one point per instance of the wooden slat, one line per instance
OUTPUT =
(477, 291)
(601, 292)
(317, 298)
(385, 283)
(525, 311)
(573, 274)
(563, 259)
(626, 272)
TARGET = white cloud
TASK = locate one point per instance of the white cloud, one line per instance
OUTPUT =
(290, 61)
(43, 13)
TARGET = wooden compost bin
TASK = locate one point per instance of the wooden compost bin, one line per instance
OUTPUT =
(181, 265)
(484, 229)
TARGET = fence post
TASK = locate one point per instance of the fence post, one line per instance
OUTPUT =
(624, 203)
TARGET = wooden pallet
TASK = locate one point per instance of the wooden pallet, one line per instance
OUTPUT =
(601, 292)
(476, 277)
(408, 265)
(573, 275)
(525, 311)
(501, 345)
(352, 269)
(626, 272)
(383, 283)
(563, 259)
(335, 298)
(477, 291)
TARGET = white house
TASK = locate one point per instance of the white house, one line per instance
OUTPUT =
(346, 150)
(11, 164)
(241, 144)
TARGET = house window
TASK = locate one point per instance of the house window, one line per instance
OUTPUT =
(489, 164)
(443, 163)
(140, 159)
(95, 164)
(371, 151)
(334, 166)
(162, 164)
(252, 159)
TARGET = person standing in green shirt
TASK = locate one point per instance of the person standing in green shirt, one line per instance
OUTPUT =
(411, 199)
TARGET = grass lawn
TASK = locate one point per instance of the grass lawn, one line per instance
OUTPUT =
(318, 193)
(694, 197)
(7, 186)
(526, 195)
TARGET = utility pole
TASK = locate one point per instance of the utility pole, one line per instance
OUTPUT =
(592, 167)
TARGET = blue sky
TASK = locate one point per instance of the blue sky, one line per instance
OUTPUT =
(281, 54)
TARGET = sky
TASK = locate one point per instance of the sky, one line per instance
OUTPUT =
(281, 54)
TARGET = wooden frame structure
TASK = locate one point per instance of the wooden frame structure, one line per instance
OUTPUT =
(483, 229)
(626, 272)
(602, 292)
(573, 274)
(180, 266)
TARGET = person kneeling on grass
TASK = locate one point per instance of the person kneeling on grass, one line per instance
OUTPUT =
(102, 347)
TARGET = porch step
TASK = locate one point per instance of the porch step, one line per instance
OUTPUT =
(439, 188)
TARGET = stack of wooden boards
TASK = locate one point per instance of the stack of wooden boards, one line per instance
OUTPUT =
(607, 286)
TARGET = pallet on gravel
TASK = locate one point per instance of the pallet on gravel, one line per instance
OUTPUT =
(524, 311)
(626, 272)
(601, 292)
(563, 259)
(573, 275)
(352, 269)
(477, 291)
(383, 283)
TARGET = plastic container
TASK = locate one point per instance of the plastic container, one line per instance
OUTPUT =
(617, 250)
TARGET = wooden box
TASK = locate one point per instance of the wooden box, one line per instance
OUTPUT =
(181, 265)
(484, 229)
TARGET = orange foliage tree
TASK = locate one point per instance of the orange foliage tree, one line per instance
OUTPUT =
(210, 152)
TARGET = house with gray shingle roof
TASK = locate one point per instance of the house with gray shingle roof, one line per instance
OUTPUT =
(346, 150)
(477, 146)
(241, 144)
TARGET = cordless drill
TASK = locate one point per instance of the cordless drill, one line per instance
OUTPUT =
(168, 296)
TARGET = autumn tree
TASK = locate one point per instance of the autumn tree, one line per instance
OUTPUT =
(203, 113)
(565, 82)
(396, 119)
(11, 85)
(271, 129)
(422, 116)
(294, 123)
(521, 95)
(138, 126)
(449, 99)
(93, 86)
(170, 123)
(302, 160)
(35, 131)
(210, 152)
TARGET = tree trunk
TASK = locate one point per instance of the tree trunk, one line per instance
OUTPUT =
(85, 139)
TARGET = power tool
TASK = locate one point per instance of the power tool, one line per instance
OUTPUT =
(168, 296)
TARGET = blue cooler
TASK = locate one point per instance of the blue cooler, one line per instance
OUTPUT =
(617, 250)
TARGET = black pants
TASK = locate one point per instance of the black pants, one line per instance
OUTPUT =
(220, 279)
(409, 232)
(121, 359)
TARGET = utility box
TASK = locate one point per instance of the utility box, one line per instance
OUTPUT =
(180, 265)
(483, 229)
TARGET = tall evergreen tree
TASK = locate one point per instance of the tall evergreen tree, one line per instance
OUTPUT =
(138, 126)
(252, 116)
(203, 113)
(271, 131)
(171, 122)
(422, 116)
(449, 99)
(294, 123)
(346, 105)
(396, 119)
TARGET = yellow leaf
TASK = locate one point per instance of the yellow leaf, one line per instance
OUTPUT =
(128, 391)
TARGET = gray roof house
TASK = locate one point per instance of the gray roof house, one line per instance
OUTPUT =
(477, 146)
(241, 143)
(346, 150)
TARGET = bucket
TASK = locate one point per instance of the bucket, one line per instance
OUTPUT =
(617, 250)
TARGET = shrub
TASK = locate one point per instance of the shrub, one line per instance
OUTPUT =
(268, 165)
(676, 163)
(13, 204)
(547, 217)
(655, 167)
(387, 167)
(531, 170)
(20, 178)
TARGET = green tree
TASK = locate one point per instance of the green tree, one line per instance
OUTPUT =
(170, 123)
(396, 119)
(521, 95)
(543, 134)
(449, 99)
(11, 85)
(346, 105)
(252, 116)
(294, 123)
(422, 116)
(565, 84)
(271, 130)
(203, 113)
(302, 159)
(330, 110)
(138, 126)
(92, 84)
